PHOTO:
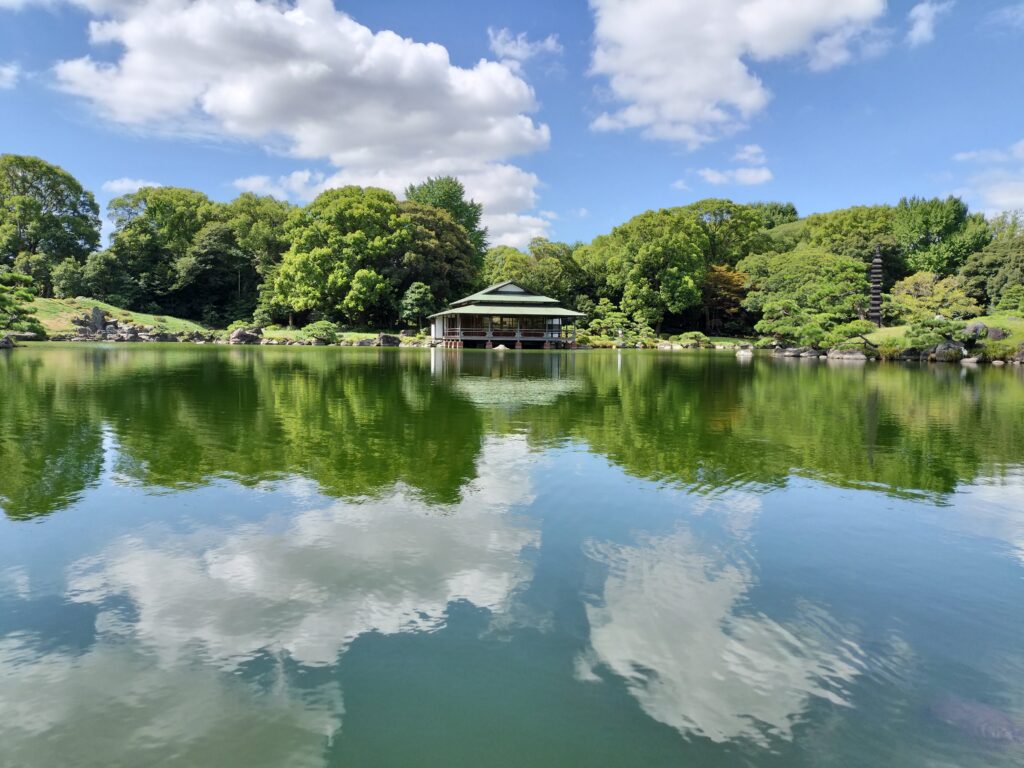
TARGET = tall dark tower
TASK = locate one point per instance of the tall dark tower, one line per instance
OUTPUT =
(875, 276)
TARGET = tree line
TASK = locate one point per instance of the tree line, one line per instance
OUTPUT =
(363, 257)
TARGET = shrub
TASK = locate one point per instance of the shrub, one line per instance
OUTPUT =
(695, 336)
(322, 330)
(239, 324)
(997, 350)
(890, 349)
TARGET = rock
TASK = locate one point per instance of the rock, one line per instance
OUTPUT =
(666, 347)
(386, 340)
(847, 354)
(969, 361)
(948, 352)
(998, 363)
(744, 352)
(17, 336)
(366, 343)
(7, 343)
(996, 334)
(794, 351)
(406, 333)
(501, 348)
(976, 331)
(811, 353)
(245, 336)
(97, 319)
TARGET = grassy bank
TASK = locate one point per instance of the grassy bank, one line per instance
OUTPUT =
(56, 316)
(1013, 324)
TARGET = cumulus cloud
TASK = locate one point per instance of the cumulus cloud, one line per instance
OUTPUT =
(750, 153)
(519, 48)
(923, 18)
(672, 624)
(996, 181)
(312, 82)
(9, 74)
(125, 185)
(682, 69)
(741, 176)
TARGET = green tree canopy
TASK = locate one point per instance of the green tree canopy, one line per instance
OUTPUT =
(728, 228)
(45, 217)
(439, 254)
(16, 294)
(926, 294)
(417, 303)
(656, 262)
(937, 235)
(341, 232)
(448, 194)
(805, 294)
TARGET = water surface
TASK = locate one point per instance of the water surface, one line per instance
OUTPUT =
(327, 557)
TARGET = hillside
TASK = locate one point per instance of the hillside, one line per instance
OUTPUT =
(1013, 324)
(56, 315)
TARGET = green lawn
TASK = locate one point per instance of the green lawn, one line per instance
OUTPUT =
(56, 315)
(1015, 325)
(299, 334)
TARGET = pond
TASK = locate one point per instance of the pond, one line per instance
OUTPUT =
(218, 556)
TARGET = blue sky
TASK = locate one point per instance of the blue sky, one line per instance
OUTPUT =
(564, 118)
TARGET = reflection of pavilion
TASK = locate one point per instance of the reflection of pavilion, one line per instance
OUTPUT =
(509, 380)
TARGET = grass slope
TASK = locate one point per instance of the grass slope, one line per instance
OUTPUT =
(56, 315)
(1012, 323)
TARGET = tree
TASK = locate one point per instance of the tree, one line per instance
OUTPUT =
(439, 254)
(927, 332)
(925, 294)
(937, 235)
(342, 232)
(774, 214)
(448, 194)
(16, 313)
(503, 262)
(1012, 299)
(45, 216)
(728, 228)
(215, 281)
(417, 303)
(803, 295)
(69, 279)
(258, 223)
(722, 300)
(556, 272)
(656, 262)
(369, 299)
(860, 232)
(154, 228)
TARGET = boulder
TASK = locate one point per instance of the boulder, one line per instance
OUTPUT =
(386, 340)
(366, 343)
(948, 352)
(501, 348)
(17, 336)
(998, 363)
(744, 352)
(969, 361)
(794, 351)
(97, 319)
(7, 343)
(406, 333)
(665, 346)
(996, 333)
(847, 354)
(246, 336)
(811, 353)
(976, 330)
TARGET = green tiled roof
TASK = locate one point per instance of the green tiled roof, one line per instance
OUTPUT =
(511, 309)
(490, 295)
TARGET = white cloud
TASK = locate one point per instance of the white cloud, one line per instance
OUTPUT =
(519, 48)
(746, 177)
(125, 185)
(752, 154)
(683, 68)
(922, 18)
(672, 621)
(311, 81)
(582, 213)
(681, 185)
(9, 75)
(1009, 16)
(997, 181)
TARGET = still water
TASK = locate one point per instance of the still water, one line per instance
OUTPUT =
(332, 557)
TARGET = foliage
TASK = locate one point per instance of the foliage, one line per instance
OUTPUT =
(322, 330)
(69, 279)
(805, 294)
(1012, 299)
(655, 261)
(892, 347)
(925, 294)
(46, 217)
(859, 232)
(417, 303)
(439, 253)
(855, 330)
(16, 313)
(772, 214)
(369, 298)
(695, 337)
(928, 332)
(998, 350)
(611, 323)
(728, 228)
(448, 194)
(722, 298)
(937, 235)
